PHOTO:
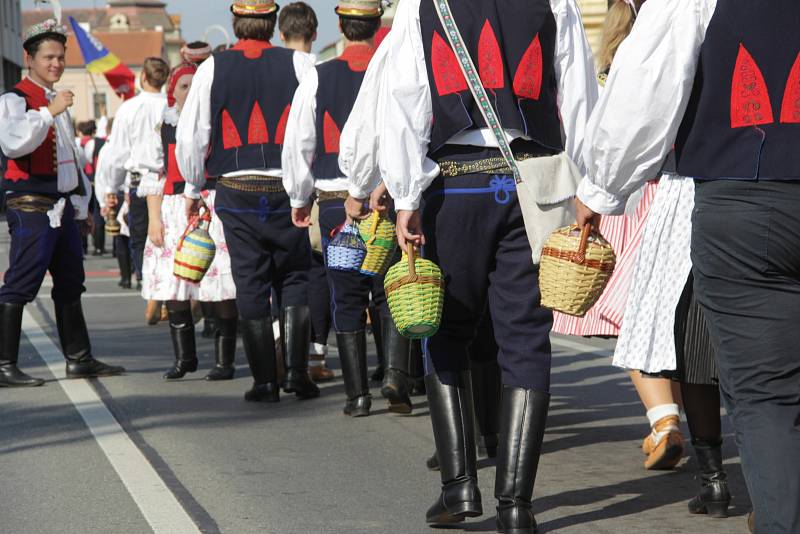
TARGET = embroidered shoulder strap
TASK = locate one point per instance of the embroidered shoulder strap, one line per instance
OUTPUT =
(475, 85)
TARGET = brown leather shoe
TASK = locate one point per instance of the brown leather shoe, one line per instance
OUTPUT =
(152, 314)
(320, 373)
(668, 451)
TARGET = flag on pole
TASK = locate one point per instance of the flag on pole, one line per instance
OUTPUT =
(100, 61)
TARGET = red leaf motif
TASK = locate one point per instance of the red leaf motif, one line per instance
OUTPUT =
(490, 59)
(528, 79)
(790, 109)
(280, 132)
(331, 134)
(257, 128)
(446, 72)
(750, 103)
(230, 135)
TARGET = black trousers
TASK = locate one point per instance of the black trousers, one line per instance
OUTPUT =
(138, 219)
(475, 233)
(99, 234)
(37, 248)
(267, 251)
(350, 291)
(319, 300)
(746, 256)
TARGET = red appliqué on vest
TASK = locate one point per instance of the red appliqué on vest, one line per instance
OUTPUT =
(357, 57)
(251, 48)
(528, 79)
(330, 134)
(790, 109)
(230, 135)
(446, 71)
(173, 172)
(750, 103)
(44, 160)
(490, 59)
(257, 127)
(280, 132)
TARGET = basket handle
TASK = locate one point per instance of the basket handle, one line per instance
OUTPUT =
(376, 218)
(580, 256)
(412, 267)
(194, 222)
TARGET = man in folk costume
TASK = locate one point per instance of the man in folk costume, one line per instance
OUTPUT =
(719, 81)
(47, 199)
(320, 109)
(435, 147)
(232, 126)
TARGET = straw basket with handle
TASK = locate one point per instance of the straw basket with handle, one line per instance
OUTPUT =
(347, 250)
(195, 250)
(575, 268)
(378, 233)
(415, 293)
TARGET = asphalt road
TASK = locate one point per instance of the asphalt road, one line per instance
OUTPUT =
(133, 454)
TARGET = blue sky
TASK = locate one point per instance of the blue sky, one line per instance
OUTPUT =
(198, 15)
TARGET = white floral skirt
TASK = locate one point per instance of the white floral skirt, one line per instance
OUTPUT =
(158, 281)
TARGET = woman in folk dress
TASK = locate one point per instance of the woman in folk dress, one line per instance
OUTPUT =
(168, 222)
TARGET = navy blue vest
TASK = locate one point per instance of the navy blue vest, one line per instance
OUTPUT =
(339, 82)
(743, 118)
(252, 92)
(512, 43)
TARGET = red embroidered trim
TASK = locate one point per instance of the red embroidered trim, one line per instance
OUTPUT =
(251, 48)
(257, 127)
(790, 109)
(330, 134)
(446, 72)
(43, 160)
(490, 59)
(528, 79)
(750, 103)
(357, 57)
(173, 172)
(280, 132)
(230, 135)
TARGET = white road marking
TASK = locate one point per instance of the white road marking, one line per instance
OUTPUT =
(110, 295)
(579, 346)
(158, 504)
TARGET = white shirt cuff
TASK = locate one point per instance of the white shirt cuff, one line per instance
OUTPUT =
(358, 192)
(191, 191)
(46, 115)
(298, 203)
(406, 204)
(599, 200)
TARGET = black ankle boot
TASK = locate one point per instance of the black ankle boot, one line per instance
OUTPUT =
(296, 339)
(225, 350)
(486, 396)
(259, 347)
(74, 337)
(396, 380)
(454, 432)
(523, 416)
(181, 330)
(376, 325)
(432, 463)
(353, 358)
(416, 369)
(714, 497)
(10, 330)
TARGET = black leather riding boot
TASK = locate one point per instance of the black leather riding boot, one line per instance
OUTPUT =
(454, 433)
(74, 337)
(10, 330)
(259, 347)
(353, 358)
(714, 497)
(224, 350)
(181, 330)
(523, 417)
(486, 396)
(376, 322)
(396, 381)
(296, 338)
(210, 326)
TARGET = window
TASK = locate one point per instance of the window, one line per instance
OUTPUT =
(100, 105)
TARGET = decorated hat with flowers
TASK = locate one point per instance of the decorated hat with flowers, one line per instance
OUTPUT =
(49, 28)
(254, 8)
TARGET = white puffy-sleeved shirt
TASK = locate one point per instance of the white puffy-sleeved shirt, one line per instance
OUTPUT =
(136, 143)
(153, 184)
(405, 108)
(23, 131)
(103, 172)
(636, 121)
(194, 126)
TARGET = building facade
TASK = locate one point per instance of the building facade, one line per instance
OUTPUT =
(10, 45)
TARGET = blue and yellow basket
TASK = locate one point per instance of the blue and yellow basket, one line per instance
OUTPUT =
(347, 250)
(195, 251)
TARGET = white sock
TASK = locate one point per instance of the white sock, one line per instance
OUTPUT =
(317, 353)
(657, 413)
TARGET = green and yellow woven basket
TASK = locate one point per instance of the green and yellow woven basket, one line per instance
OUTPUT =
(378, 233)
(195, 251)
(415, 293)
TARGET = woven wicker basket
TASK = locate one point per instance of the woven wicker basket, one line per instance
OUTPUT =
(347, 250)
(112, 225)
(575, 268)
(378, 233)
(415, 293)
(195, 250)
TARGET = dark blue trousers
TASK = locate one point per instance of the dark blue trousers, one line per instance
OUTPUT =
(746, 256)
(138, 220)
(36, 248)
(350, 291)
(267, 251)
(319, 300)
(474, 231)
